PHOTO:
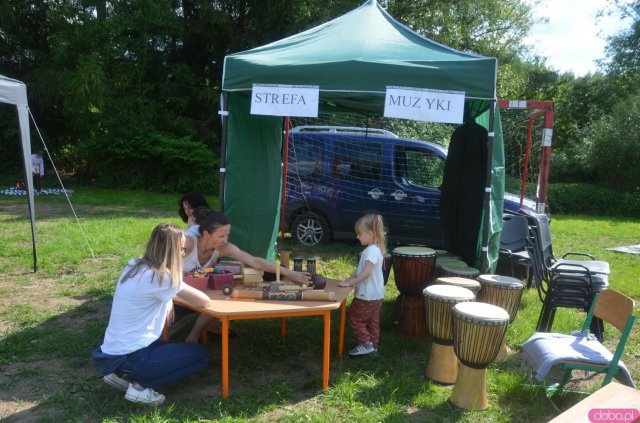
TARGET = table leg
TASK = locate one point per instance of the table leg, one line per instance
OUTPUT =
(343, 315)
(283, 327)
(225, 357)
(325, 355)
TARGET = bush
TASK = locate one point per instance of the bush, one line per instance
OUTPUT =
(152, 161)
(614, 148)
(593, 200)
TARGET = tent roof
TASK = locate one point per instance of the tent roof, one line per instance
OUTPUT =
(12, 91)
(365, 50)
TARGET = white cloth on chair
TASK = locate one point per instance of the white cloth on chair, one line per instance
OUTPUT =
(543, 350)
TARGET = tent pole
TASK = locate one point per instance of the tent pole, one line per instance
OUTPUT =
(224, 114)
(285, 172)
(26, 156)
(487, 191)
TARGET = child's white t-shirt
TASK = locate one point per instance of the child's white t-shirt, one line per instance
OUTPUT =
(371, 288)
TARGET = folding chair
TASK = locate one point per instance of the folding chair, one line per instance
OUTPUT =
(563, 282)
(513, 243)
(544, 350)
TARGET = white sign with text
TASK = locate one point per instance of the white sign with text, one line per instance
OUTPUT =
(285, 100)
(422, 104)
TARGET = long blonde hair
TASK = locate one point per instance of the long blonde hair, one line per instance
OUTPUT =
(374, 224)
(163, 254)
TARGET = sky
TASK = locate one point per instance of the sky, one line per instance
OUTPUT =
(574, 37)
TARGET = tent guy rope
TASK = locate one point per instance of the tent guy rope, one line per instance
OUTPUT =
(64, 190)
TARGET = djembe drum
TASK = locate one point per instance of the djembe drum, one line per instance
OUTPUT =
(478, 331)
(439, 300)
(505, 292)
(457, 269)
(413, 268)
(470, 284)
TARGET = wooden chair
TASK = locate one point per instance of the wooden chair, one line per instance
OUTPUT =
(615, 309)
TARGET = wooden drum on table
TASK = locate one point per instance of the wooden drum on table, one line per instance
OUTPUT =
(505, 292)
(478, 331)
(439, 300)
(471, 284)
(413, 268)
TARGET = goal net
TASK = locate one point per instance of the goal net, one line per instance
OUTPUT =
(527, 128)
(355, 164)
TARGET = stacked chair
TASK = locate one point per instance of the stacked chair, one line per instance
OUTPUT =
(566, 282)
(513, 244)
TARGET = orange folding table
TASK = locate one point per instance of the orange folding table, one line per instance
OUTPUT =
(227, 309)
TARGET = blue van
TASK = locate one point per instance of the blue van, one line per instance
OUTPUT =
(336, 174)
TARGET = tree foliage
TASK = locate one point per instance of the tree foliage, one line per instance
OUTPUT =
(614, 149)
(114, 85)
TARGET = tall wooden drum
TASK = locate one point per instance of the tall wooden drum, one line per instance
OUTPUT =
(505, 292)
(478, 331)
(439, 300)
(414, 269)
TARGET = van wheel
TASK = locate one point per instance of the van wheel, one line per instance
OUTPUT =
(310, 229)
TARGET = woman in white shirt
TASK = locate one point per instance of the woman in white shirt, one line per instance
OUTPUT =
(133, 357)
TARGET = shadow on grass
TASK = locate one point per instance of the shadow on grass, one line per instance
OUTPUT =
(46, 374)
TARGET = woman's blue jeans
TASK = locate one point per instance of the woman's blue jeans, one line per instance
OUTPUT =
(158, 364)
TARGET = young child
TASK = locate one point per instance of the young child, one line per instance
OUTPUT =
(364, 314)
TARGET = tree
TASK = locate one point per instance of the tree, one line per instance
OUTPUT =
(614, 149)
(623, 48)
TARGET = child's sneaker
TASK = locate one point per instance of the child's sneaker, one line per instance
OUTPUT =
(116, 382)
(363, 349)
(145, 396)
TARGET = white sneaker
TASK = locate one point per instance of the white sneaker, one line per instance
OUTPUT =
(363, 349)
(146, 396)
(116, 382)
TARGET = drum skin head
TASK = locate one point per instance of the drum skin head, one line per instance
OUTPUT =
(481, 312)
(414, 251)
(503, 281)
(458, 281)
(449, 292)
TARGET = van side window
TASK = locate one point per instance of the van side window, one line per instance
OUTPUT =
(306, 158)
(357, 160)
(419, 168)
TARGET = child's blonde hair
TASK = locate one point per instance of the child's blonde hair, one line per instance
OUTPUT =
(374, 224)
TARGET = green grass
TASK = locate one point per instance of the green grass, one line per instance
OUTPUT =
(58, 315)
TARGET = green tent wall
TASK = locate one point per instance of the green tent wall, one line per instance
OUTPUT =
(352, 58)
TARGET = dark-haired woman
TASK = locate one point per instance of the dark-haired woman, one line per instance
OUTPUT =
(133, 357)
(212, 244)
(186, 206)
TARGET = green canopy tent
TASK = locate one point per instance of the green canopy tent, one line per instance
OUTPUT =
(352, 59)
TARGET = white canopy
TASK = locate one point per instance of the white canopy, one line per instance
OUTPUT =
(15, 92)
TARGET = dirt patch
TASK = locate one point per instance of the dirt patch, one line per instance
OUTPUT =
(49, 210)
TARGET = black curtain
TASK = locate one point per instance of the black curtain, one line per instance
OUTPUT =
(461, 204)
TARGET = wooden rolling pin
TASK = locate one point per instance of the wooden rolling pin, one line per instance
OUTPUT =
(311, 295)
